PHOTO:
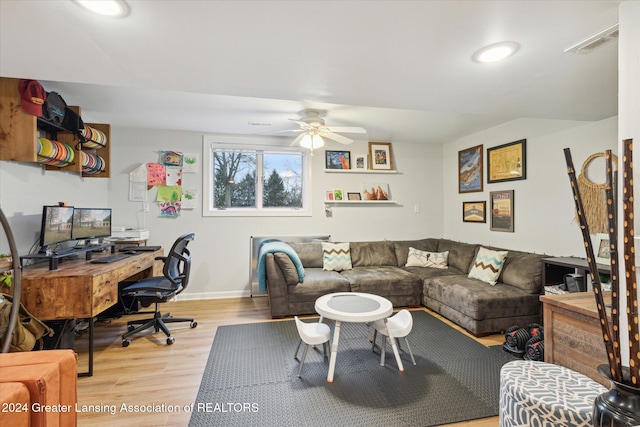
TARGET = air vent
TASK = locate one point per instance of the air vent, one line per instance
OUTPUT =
(595, 41)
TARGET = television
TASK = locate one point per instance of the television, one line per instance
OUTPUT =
(91, 223)
(57, 225)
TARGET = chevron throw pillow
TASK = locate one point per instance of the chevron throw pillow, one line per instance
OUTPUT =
(488, 265)
(336, 256)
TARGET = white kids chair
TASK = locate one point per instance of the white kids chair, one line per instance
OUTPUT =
(400, 325)
(312, 334)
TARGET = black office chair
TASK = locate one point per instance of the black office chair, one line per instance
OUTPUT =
(156, 290)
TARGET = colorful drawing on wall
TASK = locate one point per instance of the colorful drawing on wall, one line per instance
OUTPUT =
(169, 193)
(156, 174)
(191, 162)
(170, 209)
(189, 198)
(171, 158)
(174, 175)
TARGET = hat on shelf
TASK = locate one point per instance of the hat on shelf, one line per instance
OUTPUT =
(32, 96)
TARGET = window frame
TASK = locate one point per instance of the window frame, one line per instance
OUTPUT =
(260, 144)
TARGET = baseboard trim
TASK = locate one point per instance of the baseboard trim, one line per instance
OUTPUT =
(212, 295)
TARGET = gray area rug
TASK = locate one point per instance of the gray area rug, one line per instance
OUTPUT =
(250, 379)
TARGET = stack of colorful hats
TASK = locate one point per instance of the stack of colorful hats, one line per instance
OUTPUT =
(93, 138)
(54, 153)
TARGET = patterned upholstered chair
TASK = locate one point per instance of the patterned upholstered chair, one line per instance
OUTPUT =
(546, 395)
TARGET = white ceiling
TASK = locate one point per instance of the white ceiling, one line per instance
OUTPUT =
(400, 69)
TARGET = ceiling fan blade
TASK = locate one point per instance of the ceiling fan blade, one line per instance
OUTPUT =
(334, 136)
(346, 129)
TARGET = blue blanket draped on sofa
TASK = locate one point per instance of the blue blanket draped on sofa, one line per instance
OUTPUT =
(271, 247)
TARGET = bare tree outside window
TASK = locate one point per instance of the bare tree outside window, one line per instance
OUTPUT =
(257, 179)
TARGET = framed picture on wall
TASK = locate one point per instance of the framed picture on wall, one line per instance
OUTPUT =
(337, 159)
(502, 210)
(474, 211)
(602, 248)
(380, 157)
(507, 162)
(470, 172)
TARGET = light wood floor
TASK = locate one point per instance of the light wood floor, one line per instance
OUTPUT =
(151, 372)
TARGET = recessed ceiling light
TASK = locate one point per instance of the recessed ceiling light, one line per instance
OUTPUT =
(110, 8)
(495, 52)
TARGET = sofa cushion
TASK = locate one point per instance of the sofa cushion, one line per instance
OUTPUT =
(310, 253)
(365, 254)
(317, 282)
(401, 248)
(488, 265)
(336, 256)
(523, 270)
(428, 273)
(288, 268)
(385, 281)
(460, 254)
(479, 301)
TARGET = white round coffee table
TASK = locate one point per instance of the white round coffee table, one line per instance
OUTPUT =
(353, 307)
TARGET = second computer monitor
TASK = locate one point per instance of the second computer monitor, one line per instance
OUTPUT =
(91, 223)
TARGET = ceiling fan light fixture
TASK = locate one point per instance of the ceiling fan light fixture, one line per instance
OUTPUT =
(495, 52)
(311, 141)
(109, 8)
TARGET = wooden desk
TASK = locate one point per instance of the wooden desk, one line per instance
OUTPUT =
(79, 289)
(572, 333)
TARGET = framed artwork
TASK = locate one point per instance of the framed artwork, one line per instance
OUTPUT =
(328, 195)
(602, 249)
(337, 159)
(375, 191)
(380, 157)
(337, 195)
(502, 210)
(507, 162)
(474, 211)
(360, 161)
(354, 196)
(470, 173)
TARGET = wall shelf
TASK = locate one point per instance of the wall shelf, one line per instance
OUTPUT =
(360, 171)
(360, 202)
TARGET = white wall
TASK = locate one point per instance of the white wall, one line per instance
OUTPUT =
(26, 187)
(222, 246)
(629, 127)
(543, 202)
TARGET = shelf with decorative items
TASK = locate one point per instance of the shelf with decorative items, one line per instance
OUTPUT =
(361, 171)
(360, 202)
(27, 138)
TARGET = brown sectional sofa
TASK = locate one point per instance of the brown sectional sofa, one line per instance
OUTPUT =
(379, 268)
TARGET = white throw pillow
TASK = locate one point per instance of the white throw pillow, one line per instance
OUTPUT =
(336, 256)
(418, 258)
(438, 259)
(488, 265)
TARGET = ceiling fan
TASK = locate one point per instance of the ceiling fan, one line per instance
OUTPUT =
(313, 130)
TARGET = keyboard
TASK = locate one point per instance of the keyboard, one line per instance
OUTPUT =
(140, 248)
(110, 258)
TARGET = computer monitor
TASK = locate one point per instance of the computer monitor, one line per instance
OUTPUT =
(57, 223)
(91, 223)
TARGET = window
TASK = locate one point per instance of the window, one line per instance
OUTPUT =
(255, 180)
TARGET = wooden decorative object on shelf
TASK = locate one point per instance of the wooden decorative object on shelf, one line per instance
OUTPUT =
(593, 269)
(629, 262)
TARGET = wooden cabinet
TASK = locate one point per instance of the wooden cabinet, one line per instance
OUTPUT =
(19, 133)
(572, 333)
